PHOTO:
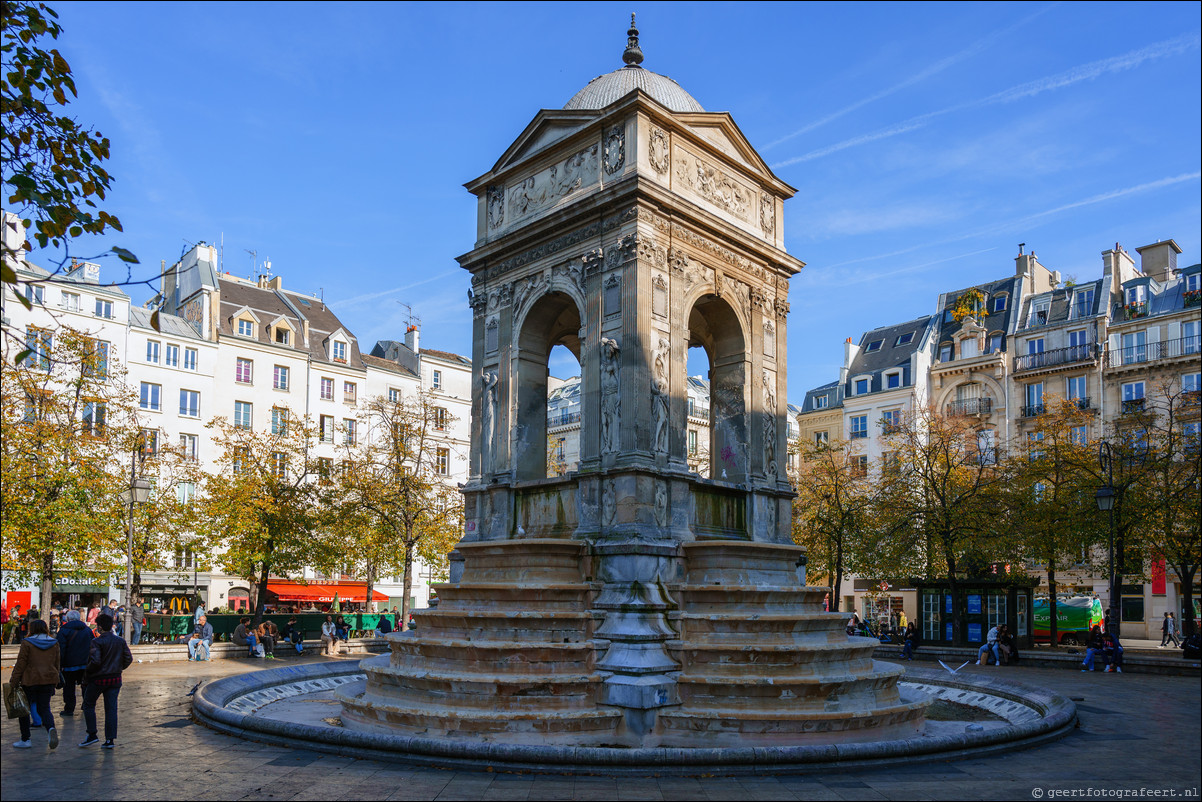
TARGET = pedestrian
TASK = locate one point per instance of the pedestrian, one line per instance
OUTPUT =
(136, 621)
(74, 643)
(200, 611)
(36, 670)
(291, 634)
(268, 635)
(1093, 648)
(1112, 650)
(329, 636)
(1168, 630)
(911, 642)
(245, 635)
(92, 615)
(107, 658)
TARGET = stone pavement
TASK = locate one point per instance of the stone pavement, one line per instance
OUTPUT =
(1137, 732)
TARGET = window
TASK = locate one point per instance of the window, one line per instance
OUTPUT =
(149, 396)
(242, 414)
(279, 420)
(859, 465)
(327, 389)
(348, 427)
(238, 464)
(1078, 388)
(893, 381)
(1034, 445)
(861, 386)
(185, 492)
(890, 420)
(244, 371)
(905, 339)
(189, 403)
(993, 344)
(325, 469)
(1190, 341)
(104, 309)
(279, 465)
(327, 428)
(821, 439)
(995, 609)
(1039, 314)
(1191, 437)
(349, 391)
(93, 417)
(96, 359)
(1135, 347)
(437, 380)
(1078, 339)
(150, 442)
(693, 441)
(190, 445)
(875, 345)
(1133, 397)
(1082, 303)
(189, 359)
(889, 463)
(1191, 283)
(999, 303)
(338, 351)
(859, 426)
(969, 347)
(71, 301)
(986, 447)
(246, 328)
(282, 335)
(37, 405)
(1034, 399)
(1035, 346)
(35, 293)
(1079, 435)
(39, 342)
(442, 461)
(152, 352)
(820, 401)
(394, 395)
(280, 379)
(945, 352)
(1137, 295)
(440, 419)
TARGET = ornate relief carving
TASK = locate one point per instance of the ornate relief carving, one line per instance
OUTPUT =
(678, 259)
(658, 151)
(659, 296)
(496, 206)
(593, 260)
(714, 185)
(490, 335)
(524, 288)
(629, 247)
(547, 186)
(611, 400)
(659, 398)
(725, 254)
(546, 249)
(767, 214)
(478, 301)
(650, 250)
(759, 299)
(782, 308)
(661, 502)
(612, 296)
(488, 418)
(737, 289)
(609, 504)
(615, 149)
(769, 381)
(661, 223)
(620, 219)
(568, 271)
(769, 339)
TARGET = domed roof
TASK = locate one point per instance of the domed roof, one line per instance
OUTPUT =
(612, 86)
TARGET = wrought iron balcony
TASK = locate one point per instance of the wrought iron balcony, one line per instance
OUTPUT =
(1032, 410)
(1192, 298)
(1150, 352)
(1136, 310)
(1082, 402)
(970, 406)
(1133, 406)
(1059, 356)
(563, 419)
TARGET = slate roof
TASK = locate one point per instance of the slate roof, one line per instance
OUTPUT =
(890, 355)
(1060, 310)
(993, 321)
(833, 393)
(169, 325)
(387, 364)
(269, 304)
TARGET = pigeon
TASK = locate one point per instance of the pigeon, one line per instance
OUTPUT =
(953, 670)
(194, 689)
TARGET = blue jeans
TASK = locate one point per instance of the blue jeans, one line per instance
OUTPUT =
(91, 693)
(136, 626)
(1090, 654)
(195, 644)
(39, 702)
(70, 680)
(908, 650)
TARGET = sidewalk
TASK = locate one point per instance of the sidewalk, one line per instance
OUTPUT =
(1137, 732)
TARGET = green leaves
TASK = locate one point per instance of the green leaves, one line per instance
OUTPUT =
(124, 255)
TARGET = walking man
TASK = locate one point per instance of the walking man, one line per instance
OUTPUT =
(74, 643)
(109, 656)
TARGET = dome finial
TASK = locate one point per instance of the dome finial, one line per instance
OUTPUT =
(633, 56)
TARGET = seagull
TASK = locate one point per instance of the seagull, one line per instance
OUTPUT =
(723, 473)
(521, 531)
(954, 670)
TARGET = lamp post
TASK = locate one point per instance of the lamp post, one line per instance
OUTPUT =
(1105, 498)
(137, 493)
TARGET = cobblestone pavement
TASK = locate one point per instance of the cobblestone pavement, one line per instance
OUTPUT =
(1137, 732)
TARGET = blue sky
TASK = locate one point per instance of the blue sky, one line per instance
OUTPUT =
(925, 140)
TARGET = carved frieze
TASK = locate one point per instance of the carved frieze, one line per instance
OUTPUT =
(615, 149)
(658, 151)
(570, 272)
(496, 206)
(545, 249)
(713, 184)
(547, 186)
(661, 223)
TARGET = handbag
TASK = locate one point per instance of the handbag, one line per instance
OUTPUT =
(16, 703)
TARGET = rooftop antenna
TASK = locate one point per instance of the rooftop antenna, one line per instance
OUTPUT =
(254, 264)
(412, 321)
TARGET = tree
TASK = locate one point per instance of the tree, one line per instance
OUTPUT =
(1049, 501)
(69, 426)
(262, 505)
(394, 484)
(942, 496)
(52, 165)
(834, 498)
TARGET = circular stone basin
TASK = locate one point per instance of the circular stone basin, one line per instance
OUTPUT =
(299, 706)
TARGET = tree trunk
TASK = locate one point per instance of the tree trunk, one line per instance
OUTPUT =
(1052, 630)
(408, 585)
(837, 584)
(47, 585)
(1186, 574)
(261, 594)
(369, 602)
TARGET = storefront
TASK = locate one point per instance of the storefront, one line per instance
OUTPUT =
(169, 598)
(283, 593)
(78, 595)
(979, 605)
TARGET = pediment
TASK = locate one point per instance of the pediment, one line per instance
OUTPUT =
(548, 127)
(719, 131)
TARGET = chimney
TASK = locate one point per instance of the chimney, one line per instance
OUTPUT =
(1159, 260)
(850, 351)
(1118, 264)
(411, 337)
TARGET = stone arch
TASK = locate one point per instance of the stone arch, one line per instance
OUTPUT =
(552, 319)
(990, 387)
(715, 325)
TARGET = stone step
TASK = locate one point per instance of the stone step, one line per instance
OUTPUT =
(509, 625)
(494, 656)
(527, 560)
(445, 689)
(695, 625)
(758, 661)
(567, 597)
(748, 600)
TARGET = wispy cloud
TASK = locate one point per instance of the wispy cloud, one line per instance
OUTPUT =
(918, 77)
(359, 300)
(844, 222)
(864, 276)
(1084, 72)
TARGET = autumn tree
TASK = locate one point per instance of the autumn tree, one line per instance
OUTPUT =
(394, 498)
(70, 430)
(261, 506)
(941, 498)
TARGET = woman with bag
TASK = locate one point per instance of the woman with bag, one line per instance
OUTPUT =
(37, 672)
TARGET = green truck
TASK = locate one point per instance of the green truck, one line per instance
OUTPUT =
(1075, 616)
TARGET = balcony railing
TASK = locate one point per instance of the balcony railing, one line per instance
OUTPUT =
(859, 434)
(1150, 352)
(1032, 410)
(1136, 310)
(1192, 298)
(1059, 356)
(970, 406)
(563, 419)
(1082, 403)
(1133, 406)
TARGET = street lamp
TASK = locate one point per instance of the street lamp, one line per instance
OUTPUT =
(138, 492)
(1105, 499)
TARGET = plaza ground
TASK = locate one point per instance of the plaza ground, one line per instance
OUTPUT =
(1137, 732)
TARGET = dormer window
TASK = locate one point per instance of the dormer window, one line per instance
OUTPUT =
(338, 351)
(246, 328)
(1039, 314)
(861, 386)
(1137, 295)
(945, 352)
(905, 339)
(282, 335)
(999, 303)
(820, 402)
(1082, 303)
(969, 348)
(875, 345)
(892, 380)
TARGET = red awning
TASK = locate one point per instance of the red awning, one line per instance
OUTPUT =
(323, 592)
